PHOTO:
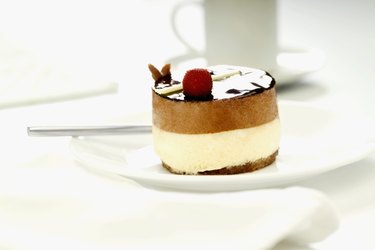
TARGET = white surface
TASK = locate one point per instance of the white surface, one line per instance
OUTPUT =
(171, 221)
(43, 189)
(315, 140)
(26, 79)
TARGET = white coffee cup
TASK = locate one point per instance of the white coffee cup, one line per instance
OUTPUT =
(237, 32)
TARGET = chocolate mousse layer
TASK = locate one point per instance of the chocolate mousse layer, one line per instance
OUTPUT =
(217, 115)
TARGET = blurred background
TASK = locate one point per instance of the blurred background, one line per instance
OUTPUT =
(41, 42)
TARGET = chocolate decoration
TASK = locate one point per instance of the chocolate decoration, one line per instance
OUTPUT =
(249, 82)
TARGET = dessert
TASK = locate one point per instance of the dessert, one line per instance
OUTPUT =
(228, 124)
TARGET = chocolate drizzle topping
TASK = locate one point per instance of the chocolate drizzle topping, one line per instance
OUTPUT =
(234, 91)
(249, 82)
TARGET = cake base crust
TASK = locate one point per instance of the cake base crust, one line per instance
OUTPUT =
(244, 168)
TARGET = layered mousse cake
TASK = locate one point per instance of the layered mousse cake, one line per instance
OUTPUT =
(218, 120)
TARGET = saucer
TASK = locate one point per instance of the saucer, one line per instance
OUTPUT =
(291, 64)
(314, 141)
(294, 63)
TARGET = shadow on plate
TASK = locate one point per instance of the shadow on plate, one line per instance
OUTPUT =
(290, 246)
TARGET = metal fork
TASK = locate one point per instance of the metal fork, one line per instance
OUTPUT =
(88, 130)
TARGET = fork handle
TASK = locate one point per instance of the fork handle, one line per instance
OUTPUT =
(88, 130)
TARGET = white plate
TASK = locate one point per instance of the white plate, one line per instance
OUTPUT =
(314, 140)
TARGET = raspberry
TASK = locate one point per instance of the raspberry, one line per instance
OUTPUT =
(197, 83)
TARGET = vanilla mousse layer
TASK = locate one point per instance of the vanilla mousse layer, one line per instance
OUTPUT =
(247, 148)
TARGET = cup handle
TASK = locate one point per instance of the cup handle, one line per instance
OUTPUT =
(178, 7)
